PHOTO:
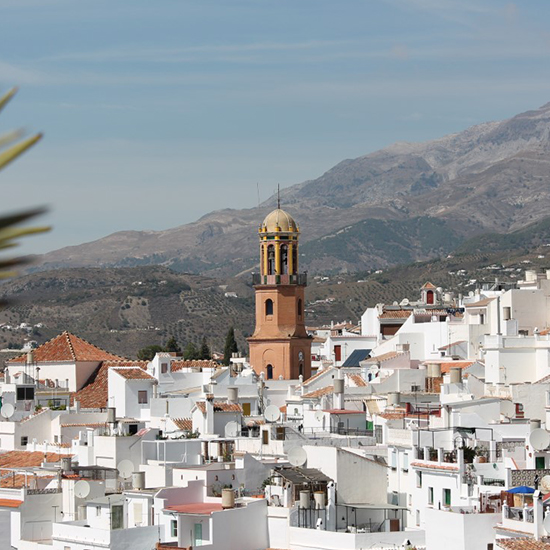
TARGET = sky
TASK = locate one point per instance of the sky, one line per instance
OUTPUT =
(155, 113)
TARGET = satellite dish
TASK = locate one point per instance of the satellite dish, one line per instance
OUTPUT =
(545, 484)
(125, 469)
(82, 489)
(232, 429)
(272, 413)
(546, 523)
(539, 439)
(7, 410)
(507, 408)
(297, 456)
(319, 416)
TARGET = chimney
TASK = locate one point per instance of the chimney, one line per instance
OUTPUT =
(209, 413)
(339, 391)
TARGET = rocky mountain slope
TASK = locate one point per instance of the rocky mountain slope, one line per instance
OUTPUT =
(125, 309)
(428, 197)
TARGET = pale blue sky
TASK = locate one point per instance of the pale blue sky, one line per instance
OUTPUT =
(157, 112)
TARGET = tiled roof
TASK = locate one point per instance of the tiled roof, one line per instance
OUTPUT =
(197, 508)
(220, 406)
(480, 303)
(383, 357)
(67, 347)
(523, 543)
(133, 373)
(195, 363)
(315, 376)
(27, 459)
(393, 414)
(7, 503)
(447, 365)
(185, 424)
(434, 466)
(94, 394)
(396, 314)
(428, 286)
(357, 379)
(319, 393)
(452, 344)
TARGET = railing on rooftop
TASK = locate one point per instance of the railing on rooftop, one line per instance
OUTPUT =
(285, 279)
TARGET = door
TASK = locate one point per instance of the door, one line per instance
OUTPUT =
(539, 463)
(117, 517)
(246, 409)
(197, 535)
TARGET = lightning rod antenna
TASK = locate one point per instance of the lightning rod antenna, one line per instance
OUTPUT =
(278, 196)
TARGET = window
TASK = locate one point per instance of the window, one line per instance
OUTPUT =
(25, 393)
(271, 260)
(418, 517)
(269, 307)
(539, 463)
(430, 495)
(394, 460)
(405, 466)
(284, 259)
(300, 309)
(337, 353)
(142, 397)
(98, 511)
(269, 372)
(164, 368)
(174, 527)
(24, 441)
(419, 479)
(132, 429)
(446, 497)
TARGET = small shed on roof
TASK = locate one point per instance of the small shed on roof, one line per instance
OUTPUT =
(356, 357)
(301, 479)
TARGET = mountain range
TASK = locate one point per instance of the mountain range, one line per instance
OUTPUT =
(407, 202)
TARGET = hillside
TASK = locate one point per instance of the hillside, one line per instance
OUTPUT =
(492, 177)
(125, 309)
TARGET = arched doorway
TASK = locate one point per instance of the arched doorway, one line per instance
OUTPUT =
(269, 372)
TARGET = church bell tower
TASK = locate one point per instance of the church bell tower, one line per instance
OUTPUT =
(280, 345)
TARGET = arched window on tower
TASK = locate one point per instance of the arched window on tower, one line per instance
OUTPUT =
(284, 259)
(269, 372)
(269, 306)
(271, 260)
(262, 259)
(299, 309)
(295, 258)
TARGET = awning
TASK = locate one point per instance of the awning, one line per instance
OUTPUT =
(522, 489)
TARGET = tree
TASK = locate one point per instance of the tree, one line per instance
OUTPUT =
(9, 151)
(172, 346)
(191, 352)
(147, 353)
(230, 346)
(205, 350)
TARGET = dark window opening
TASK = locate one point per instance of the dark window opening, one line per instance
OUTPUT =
(271, 260)
(269, 306)
(269, 372)
(132, 429)
(142, 397)
(299, 308)
(25, 393)
(284, 259)
(301, 369)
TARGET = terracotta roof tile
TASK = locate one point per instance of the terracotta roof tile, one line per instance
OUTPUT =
(480, 303)
(357, 379)
(185, 424)
(195, 363)
(7, 503)
(522, 543)
(220, 406)
(446, 365)
(94, 394)
(396, 314)
(453, 344)
(67, 347)
(133, 373)
(434, 466)
(319, 393)
(383, 357)
(428, 286)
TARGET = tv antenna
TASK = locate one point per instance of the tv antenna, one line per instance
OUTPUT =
(278, 196)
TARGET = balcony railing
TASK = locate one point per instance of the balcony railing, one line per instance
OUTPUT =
(285, 279)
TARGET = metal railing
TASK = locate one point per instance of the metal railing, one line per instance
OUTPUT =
(284, 279)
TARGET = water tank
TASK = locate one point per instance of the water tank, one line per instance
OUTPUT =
(338, 385)
(436, 370)
(530, 275)
(394, 398)
(233, 394)
(304, 499)
(320, 500)
(228, 498)
(66, 464)
(138, 480)
(111, 415)
(534, 424)
(456, 375)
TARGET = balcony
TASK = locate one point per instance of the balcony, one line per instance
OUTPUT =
(285, 279)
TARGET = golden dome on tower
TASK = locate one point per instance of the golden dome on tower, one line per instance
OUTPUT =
(279, 220)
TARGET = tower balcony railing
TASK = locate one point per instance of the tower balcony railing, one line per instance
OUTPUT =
(285, 279)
